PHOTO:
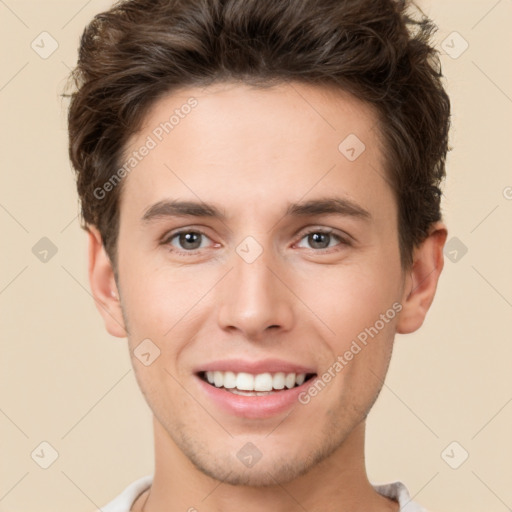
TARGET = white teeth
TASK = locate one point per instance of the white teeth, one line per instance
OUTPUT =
(278, 380)
(289, 381)
(261, 383)
(300, 379)
(229, 380)
(251, 393)
(245, 382)
(218, 379)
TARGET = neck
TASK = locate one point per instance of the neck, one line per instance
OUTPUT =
(337, 483)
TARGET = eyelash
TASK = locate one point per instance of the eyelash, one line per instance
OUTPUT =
(343, 241)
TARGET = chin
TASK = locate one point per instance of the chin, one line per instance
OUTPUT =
(263, 474)
(274, 468)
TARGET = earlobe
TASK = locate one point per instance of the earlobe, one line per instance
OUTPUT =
(421, 283)
(103, 285)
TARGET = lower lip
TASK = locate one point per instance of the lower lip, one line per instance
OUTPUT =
(254, 407)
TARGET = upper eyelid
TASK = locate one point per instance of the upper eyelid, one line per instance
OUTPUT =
(343, 237)
(166, 239)
(178, 231)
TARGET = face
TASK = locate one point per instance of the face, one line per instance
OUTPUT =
(258, 249)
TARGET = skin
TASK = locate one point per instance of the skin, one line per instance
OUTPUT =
(252, 152)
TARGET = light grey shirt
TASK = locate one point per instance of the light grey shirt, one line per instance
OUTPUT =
(123, 502)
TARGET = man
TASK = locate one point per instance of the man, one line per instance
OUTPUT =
(260, 183)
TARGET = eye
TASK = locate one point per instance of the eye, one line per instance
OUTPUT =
(322, 239)
(187, 240)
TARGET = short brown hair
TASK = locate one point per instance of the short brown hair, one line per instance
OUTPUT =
(140, 50)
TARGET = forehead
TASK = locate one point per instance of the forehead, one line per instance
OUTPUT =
(237, 143)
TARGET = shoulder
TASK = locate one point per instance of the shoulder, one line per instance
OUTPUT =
(398, 491)
(125, 501)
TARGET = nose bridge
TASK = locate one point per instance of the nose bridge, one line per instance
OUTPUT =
(253, 298)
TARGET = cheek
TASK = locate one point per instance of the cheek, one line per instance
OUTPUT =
(360, 306)
(350, 298)
(158, 297)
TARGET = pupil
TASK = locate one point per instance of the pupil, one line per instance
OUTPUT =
(319, 240)
(190, 240)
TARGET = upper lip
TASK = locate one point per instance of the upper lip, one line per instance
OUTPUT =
(254, 367)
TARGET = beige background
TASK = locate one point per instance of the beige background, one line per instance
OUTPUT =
(65, 381)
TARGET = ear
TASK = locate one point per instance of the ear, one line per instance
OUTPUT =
(421, 281)
(103, 285)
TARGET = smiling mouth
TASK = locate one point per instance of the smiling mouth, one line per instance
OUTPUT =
(248, 384)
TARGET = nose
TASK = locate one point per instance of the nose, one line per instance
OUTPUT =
(254, 300)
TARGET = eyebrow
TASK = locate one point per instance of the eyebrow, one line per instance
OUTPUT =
(326, 206)
(336, 205)
(166, 208)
